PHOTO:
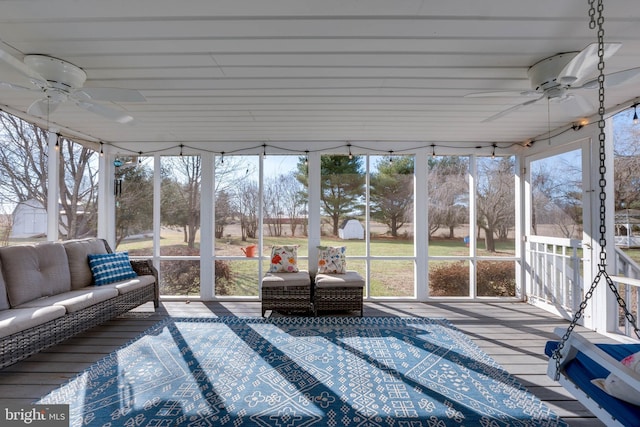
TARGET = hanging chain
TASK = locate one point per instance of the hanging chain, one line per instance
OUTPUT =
(596, 20)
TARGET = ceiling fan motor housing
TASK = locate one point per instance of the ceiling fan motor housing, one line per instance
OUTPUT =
(543, 75)
(59, 74)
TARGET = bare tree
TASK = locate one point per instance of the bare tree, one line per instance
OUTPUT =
(223, 212)
(448, 193)
(274, 206)
(556, 192)
(78, 189)
(181, 195)
(283, 203)
(247, 204)
(23, 161)
(6, 225)
(24, 168)
(495, 197)
(228, 171)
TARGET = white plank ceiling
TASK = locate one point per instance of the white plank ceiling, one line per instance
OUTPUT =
(218, 73)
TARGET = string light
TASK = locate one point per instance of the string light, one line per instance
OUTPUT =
(57, 147)
(140, 157)
(635, 114)
(101, 149)
(306, 158)
(349, 146)
(222, 158)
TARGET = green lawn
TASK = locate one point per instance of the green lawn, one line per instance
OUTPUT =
(388, 277)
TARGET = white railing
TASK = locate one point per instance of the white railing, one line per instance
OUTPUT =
(556, 282)
(555, 271)
(627, 280)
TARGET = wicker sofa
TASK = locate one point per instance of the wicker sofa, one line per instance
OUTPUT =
(47, 294)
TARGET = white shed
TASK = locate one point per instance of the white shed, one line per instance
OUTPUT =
(351, 229)
(29, 219)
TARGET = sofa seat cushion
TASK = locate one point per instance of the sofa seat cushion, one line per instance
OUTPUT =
(129, 285)
(17, 320)
(350, 279)
(75, 300)
(301, 278)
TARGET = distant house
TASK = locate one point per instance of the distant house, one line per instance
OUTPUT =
(351, 229)
(29, 219)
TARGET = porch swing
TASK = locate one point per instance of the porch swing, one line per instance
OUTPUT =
(605, 378)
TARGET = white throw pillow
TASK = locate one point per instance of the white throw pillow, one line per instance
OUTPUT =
(615, 387)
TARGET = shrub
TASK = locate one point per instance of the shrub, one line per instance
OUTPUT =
(496, 278)
(493, 278)
(449, 279)
(182, 277)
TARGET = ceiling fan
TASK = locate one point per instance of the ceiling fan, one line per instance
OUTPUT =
(558, 77)
(60, 81)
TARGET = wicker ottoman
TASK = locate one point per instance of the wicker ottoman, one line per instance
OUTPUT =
(338, 292)
(286, 292)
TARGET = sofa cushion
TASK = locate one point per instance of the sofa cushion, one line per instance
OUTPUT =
(74, 300)
(128, 285)
(31, 272)
(19, 319)
(109, 268)
(4, 300)
(350, 279)
(78, 254)
(273, 280)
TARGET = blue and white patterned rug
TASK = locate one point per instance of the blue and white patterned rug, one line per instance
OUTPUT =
(294, 372)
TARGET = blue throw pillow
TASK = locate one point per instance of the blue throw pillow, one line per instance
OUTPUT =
(109, 268)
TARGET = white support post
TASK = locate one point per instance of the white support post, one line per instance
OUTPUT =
(421, 221)
(602, 311)
(157, 182)
(473, 223)
(106, 199)
(314, 210)
(520, 214)
(53, 188)
(207, 246)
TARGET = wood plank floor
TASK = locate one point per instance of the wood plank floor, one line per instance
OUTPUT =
(513, 334)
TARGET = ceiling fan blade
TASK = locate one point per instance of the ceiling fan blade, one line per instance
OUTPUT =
(613, 79)
(585, 63)
(503, 93)
(43, 107)
(7, 85)
(512, 109)
(110, 94)
(20, 66)
(575, 105)
(621, 77)
(109, 113)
